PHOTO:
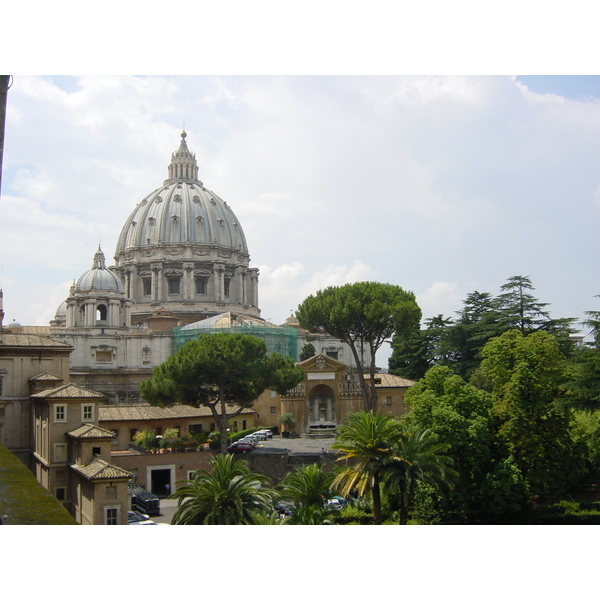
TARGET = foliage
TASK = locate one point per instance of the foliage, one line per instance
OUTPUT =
(288, 420)
(367, 441)
(460, 416)
(458, 343)
(229, 494)
(308, 487)
(419, 459)
(225, 372)
(527, 373)
(23, 500)
(364, 315)
(308, 351)
(146, 439)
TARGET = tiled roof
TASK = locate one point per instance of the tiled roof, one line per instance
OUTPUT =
(30, 340)
(46, 376)
(147, 412)
(98, 469)
(69, 390)
(89, 431)
(389, 380)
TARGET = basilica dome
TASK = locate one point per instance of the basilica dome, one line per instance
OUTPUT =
(183, 248)
(99, 278)
(182, 211)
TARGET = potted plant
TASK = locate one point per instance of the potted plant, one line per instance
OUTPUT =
(288, 420)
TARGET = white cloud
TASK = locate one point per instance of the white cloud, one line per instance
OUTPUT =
(437, 184)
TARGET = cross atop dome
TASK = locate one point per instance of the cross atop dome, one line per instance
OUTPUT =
(183, 163)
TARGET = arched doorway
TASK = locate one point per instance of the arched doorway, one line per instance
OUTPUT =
(321, 410)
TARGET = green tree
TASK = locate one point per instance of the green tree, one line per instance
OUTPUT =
(527, 374)
(519, 309)
(230, 494)
(419, 459)
(309, 488)
(222, 371)
(364, 315)
(460, 416)
(367, 441)
(308, 351)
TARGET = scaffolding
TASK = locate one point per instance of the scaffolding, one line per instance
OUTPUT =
(278, 338)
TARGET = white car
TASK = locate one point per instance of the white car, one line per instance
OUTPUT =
(267, 432)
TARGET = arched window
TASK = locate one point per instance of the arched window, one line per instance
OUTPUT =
(101, 312)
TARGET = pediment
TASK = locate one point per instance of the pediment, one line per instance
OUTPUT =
(321, 363)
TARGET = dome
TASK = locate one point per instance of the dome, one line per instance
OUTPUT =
(183, 248)
(182, 212)
(99, 278)
(61, 311)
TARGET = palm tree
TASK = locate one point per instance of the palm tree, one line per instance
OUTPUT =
(368, 440)
(309, 488)
(227, 495)
(418, 459)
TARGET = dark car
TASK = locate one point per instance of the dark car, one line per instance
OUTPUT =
(133, 516)
(240, 447)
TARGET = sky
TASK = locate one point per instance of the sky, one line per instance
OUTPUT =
(440, 184)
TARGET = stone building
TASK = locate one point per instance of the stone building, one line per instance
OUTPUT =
(327, 394)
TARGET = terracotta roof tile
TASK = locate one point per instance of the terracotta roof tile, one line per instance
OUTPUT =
(147, 412)
(30, 340)
(69, 390)
(98, 469)
(89, 431)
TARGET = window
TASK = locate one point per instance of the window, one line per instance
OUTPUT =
(226, 286)
(332, 354)
(60, 413)
(388, 400)
(96, 451)
(173, 285)
(132, 433)
(158, 431)
(212, 427)
(87, 412)
(60, 493)
(201, 285)
(194, 429)
(147, 285)
(101, 312)
(273, 410)
(1, 386)
(111, 515)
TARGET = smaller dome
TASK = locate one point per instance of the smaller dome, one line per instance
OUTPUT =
(99, 278)
(61, 311)
(14, 325)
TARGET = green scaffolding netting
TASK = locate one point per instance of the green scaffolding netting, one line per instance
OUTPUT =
(278, 338)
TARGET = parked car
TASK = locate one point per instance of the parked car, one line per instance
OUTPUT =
(142, 523)
(261, 435)
(334, 504)
(285, 509)
(250, 438)
(133, 516)
(239, 447)
(268, 433)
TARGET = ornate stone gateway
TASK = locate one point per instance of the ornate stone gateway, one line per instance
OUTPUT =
(321, 410)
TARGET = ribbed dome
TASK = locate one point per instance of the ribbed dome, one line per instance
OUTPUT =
(99, 277)
(61, 311)
(182, 212)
